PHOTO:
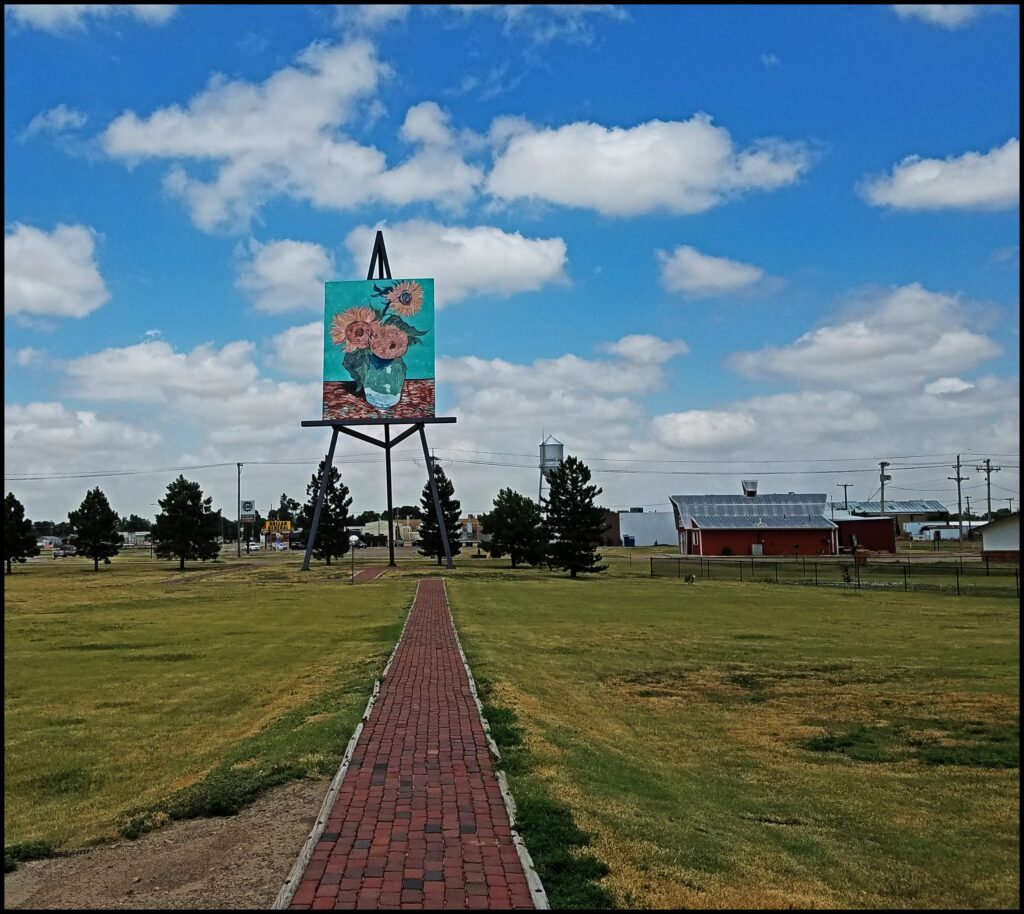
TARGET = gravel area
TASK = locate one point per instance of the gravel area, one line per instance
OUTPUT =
(236, 862)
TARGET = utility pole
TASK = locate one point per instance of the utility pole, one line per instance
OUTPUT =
(967, 498)
(238, 528)
(846, 500)
(883, 478)
(1010, 500)
(988, 470)
(959, 501)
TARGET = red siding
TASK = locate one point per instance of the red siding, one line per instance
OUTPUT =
(877, 534)
(774, 542)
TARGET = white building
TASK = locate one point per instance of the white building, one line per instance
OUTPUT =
(1000, 538)
(648, 528)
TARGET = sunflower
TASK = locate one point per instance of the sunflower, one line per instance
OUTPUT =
(353, 328)
(405, 298)
(388, 342)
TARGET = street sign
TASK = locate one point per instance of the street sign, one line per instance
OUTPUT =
(248, 510)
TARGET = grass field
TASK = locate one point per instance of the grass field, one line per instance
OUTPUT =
(142, 692)
(754, 746)
(724, 744)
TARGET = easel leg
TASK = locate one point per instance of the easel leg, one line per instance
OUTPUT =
(391, 519)
(328, 463)
(437, 500)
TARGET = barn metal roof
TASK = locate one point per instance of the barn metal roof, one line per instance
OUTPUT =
(749, 506)
(919, 506)
(767, 521)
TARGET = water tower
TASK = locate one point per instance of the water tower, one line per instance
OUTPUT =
(551, 451)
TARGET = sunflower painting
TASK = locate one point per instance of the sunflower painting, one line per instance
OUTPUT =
(379, 349)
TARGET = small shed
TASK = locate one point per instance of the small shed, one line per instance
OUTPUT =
(875, 533)
(1000, 538)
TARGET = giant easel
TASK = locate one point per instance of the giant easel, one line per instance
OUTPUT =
(378, 261)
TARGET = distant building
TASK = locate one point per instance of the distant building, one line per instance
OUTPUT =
(1000, 538)
(647, 528)
(48, 542)
(904, 511)
(944, 530)
(875, 533)
(752, 524)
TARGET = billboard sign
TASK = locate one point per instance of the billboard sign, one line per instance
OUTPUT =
(248, 514)
(277, 526)
(379, 349)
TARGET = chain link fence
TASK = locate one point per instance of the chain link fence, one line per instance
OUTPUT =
(954, 576)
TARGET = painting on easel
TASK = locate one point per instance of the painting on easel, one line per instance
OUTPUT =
(379, 349)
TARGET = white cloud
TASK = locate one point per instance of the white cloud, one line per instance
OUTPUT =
(546, 22)
(64, 17)
(282, 137)
(676, 166)
(285, 275)
(904, 336)
(153, 372)
(643, 347)
(770, 60)
(52, 274)
(946, 15)
(300, 350)
(987, 181)
(55, 120)
(703, 428)
(695, 275)
(942, 386)
(371, 17)
(464, 261)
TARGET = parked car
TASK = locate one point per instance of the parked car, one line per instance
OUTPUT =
(252, 547)
(295, 544)
(278, 547)
(64, 551)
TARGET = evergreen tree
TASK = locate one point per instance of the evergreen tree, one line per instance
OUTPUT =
(287, 509)
(19, 540)
(134, 524)
(332, 531)
(186, 528)
(95, 524)
(451, 508)
(515, 527)
(575, 525)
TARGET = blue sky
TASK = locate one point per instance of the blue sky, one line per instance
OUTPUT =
(722, 235)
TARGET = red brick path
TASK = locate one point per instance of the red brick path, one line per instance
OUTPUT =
(371, 573)
(419, 821)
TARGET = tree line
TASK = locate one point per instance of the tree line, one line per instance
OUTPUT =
(563, 531)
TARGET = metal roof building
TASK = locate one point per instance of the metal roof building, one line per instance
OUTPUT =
(914, 506)
(752, 524)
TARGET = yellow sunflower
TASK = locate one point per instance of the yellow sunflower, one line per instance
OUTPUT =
(353, 328)
(405, 298)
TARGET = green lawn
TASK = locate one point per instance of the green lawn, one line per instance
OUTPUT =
(142, 688)
(756, 745)
(725, 744)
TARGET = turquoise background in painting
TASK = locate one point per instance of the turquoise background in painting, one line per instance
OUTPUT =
(340, 296)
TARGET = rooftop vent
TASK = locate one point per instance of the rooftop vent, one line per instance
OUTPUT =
(750, 487)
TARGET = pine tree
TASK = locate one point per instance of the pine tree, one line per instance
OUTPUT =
(574, 523)
(332, 531)
(95, 524)
(451, 508)
(19, 540)
(186, 528)
(514, 525)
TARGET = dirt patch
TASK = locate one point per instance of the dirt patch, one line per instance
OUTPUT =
(235, 862)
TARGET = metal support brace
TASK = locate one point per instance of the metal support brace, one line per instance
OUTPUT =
(437, 500)
(311, 537)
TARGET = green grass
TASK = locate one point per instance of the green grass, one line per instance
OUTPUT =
(141, 694)
(747, 745)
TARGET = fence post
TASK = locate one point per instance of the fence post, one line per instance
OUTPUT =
(652, 566)
(1016, 581)
(856, 568)
(906, 586)
(956, 568)
(741, 572)
(776, 572)
(815, 574)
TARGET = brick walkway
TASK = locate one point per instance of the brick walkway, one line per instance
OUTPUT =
(370, 573)
(419, 821)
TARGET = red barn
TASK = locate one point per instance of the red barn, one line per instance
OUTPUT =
(875, 533)
(752, 524)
